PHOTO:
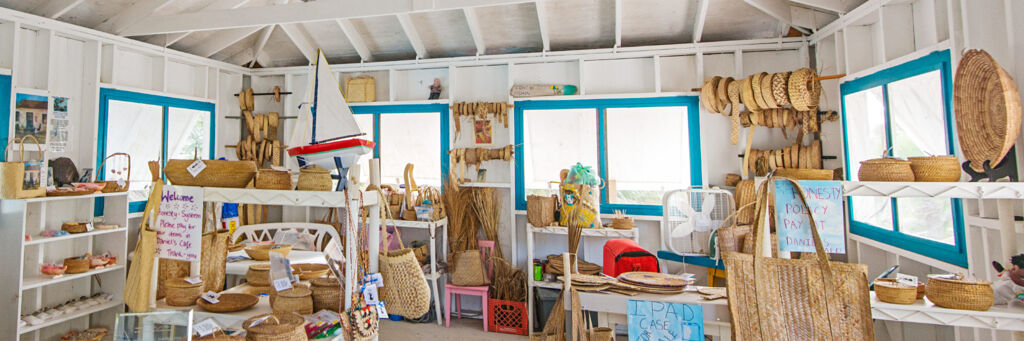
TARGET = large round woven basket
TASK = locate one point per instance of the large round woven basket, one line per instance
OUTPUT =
(959, 293)
(258, 275)
(295, 300)
(804, 91)
(218, 173)
(180, 293)
(885, 169)
(945, 168)
(282, 327)
(229, 302)
(988, 109)
(262, 252)
(326, 294)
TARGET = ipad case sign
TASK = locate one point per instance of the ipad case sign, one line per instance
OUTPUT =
(663, 321)
(825, 199)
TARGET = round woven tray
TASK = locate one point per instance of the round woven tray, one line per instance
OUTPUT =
(310, 271)
(262, 252)
(653, 279)
(988, 109)
(229, 302)
(755, 87)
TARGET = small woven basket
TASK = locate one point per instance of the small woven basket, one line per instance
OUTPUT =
(945, 168)
(180, 293)
(229, 302)
(114, 186)
(307, 272)
(885, 169)
(76, 266)
(314, 178)
(295, 300)
(258, 275)
(91, 334)
(283, 327)
(262, 252)
(959, 293)
(273, 179)
(889, 291)
(326, 294)
(624, 223)
(540, 210)
(73, 227)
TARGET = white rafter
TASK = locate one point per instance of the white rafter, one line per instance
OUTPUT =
(260, 43)
(474, 30)
(215, 6)
(222, 39)
(298, 12)
(53, 9)
(132, 15)
(355, 39)
(542, 21)
(698, 24)
(835, 6)
(778, 9)
(303, 41)
(413, 35)
(618, 23)
(249, 54)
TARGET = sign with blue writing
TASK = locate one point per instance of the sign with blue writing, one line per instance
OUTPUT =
(662, 321)
(825, 199)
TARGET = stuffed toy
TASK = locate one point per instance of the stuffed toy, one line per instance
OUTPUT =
(1009, 285)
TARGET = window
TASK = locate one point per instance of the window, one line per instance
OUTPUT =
(127, 126)
(640, 147)
(405, 134)
(905, 110)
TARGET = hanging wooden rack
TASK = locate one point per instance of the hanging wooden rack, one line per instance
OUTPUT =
(816, 79)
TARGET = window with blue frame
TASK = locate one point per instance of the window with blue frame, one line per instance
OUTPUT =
(150, 127)
(403, 134)
(640, 147)
(904, 111)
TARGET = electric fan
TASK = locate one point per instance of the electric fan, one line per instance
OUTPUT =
(690, 216)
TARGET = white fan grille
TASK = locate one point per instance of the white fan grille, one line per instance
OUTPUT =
(689, 217)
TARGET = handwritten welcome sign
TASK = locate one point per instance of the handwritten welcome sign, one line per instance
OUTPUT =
(825, 199)
(652, 320)
(179, 226)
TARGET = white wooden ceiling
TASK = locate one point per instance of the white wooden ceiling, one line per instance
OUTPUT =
(273, 33)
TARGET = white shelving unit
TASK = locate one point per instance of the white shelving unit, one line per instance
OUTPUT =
(31, 290)
(601, 233)
(432, 227)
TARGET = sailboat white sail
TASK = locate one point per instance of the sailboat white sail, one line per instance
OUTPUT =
(325, 132)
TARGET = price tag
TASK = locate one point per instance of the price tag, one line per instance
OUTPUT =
(370, 294)
(282, 284)
(211, 297)
(89, 227)
(381, 312)
(206, 327)
(193, 280)
(120, 182)
(196, 167)
(906, 279)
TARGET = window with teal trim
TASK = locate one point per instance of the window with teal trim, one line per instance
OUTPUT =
(904, 111)
(640, 147)
(406, 134)
(149, 128)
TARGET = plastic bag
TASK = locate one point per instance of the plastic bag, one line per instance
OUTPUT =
(581, 175)
(298, 240)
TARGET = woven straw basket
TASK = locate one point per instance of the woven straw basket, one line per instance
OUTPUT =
(885, 169)
(944, 168)
(285, 327)
(307, 272)
(960, 293)
(407, 294)
(113, 186)
(805, 173)
(180, 293)
(326, 294)
(297, 300)
(76, 266)
(218, 173)
(262, 252)
(229, 302)
(314, 178)
(891, 292)
(803, 90)
(273, 179)
(988, 109)
(540, 210)
(258, 275)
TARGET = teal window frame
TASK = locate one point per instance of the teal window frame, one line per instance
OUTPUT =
(5, 113)
(601, 106)
(956, 253)
(108, 94)
(397, 109)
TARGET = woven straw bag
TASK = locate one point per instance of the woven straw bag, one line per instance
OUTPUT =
(988, 109)
(468, 270)
(295, 300)
(13, 174)
(540, 210)
(944, 168)
(406, 290)
(140, 273)
(284, 327)
(115, 186)
(795, 299)
(214, 259)
(960, 293)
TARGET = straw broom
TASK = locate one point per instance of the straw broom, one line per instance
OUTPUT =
(461, 220)
(556, 322)
(485, 205)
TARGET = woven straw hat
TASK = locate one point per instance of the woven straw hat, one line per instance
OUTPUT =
(707, 94)
(747, 95)
(722, 94)
(988, 109)
(766, 91)
(779, 88)
(755, 85)
(804, 90)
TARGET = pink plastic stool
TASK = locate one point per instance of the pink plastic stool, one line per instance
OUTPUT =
(486, 250)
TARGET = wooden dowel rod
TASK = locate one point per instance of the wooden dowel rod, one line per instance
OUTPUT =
(269, 93)
(280, 117)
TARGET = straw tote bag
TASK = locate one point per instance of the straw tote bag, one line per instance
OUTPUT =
(405, 290)
(795, 299)
(21, 179)
(140, 273)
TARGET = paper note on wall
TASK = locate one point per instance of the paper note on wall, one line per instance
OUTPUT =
(652, 320)
(825, 199)
(179, 227)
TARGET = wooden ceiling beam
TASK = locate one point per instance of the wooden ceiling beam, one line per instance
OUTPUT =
(355, 39)
(778, 9)
(133, 15)
(53, 9)
(475, 31)
(701, 18)
(303, 41)
(220, 40)
(542, 21)
(299, 12)
(414, 36)
(260, 43)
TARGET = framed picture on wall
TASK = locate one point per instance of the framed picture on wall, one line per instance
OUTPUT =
(30, 116)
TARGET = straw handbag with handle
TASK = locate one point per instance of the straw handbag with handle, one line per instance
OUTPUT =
(406, 293)
(140, 274)
(795, 299)
(21, 179)
(112, 186)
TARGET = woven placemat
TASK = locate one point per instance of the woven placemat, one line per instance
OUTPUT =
(988, 109)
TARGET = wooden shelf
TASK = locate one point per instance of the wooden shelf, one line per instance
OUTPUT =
(39, 281)
(76, 197)
(282, 197)
(602, 232)
(73, 236)
(72, 316)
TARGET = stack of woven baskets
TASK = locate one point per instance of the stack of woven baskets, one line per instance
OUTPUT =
(945, 168)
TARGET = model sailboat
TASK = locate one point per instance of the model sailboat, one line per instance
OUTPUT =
(326, 134)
